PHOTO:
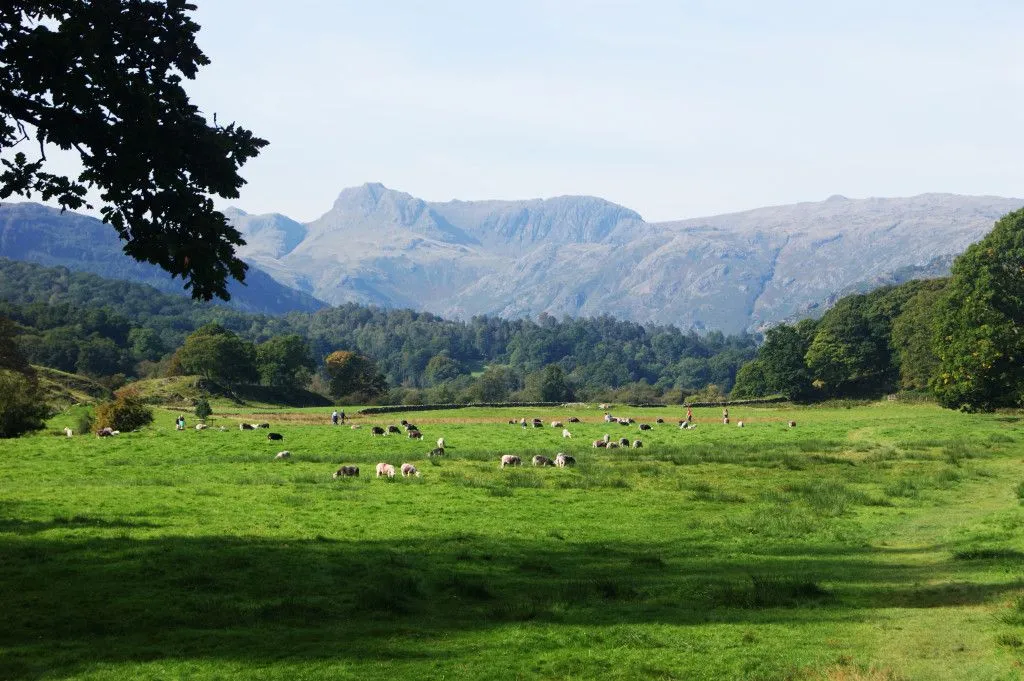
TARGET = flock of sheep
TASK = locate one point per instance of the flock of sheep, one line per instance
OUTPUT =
(386, 470)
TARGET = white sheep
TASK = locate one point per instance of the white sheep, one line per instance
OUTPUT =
(283, 455)
(510, 460)
(385, 470)
(68, 432)
(566, 433)
(440, 443)
(408, 469)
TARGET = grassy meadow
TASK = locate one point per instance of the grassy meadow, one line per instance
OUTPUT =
(883, 541)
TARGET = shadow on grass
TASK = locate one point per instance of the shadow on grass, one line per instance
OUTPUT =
(72, 603)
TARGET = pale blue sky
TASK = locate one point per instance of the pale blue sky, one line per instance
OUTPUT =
(674, 109)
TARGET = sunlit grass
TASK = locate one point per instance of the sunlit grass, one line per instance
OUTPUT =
(878, 542)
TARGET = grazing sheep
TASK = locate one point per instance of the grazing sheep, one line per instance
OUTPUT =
(542, 461)
(355, 427)
(510, 460)
(375, 431)
(275, 436)
(607, 437)
(603, 406)
(415, 435)
(537, 423)
(686, 425)
(645, 426)
(566, 433)
(573, 419)
(557, 424)
(283, 455)
(223, 429)
(792, 424)
(245, 426)
(347, 472)
(394, 429)
(408, 469)
(68, 432)
(263, 425)
(725, 420)
(660, 421)
(599, 443)
(637, 444)
(624, 442)
(385, 470)
(104, 432)
(437, 451)
(440, 442)
(739, 424)
(564, 460)
(612, 445)
(410, 426)
(512, 422)
(608, 418)
(404, 422)
(625, 422)
(201, 426)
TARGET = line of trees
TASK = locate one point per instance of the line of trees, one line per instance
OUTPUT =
(111, 330)
(959, 338)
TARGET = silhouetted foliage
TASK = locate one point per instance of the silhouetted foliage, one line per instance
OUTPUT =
(103, 79)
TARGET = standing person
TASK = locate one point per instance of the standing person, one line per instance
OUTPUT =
(689, 414)
(725, 415)
(334, 417)
(343, 418)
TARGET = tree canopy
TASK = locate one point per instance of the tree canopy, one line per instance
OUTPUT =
(103, 79)
(979, 341)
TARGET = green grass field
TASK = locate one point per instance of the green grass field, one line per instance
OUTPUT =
(877, 542)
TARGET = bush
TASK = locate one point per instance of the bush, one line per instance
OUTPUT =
(126, 412)
(84, 423)
(22, 407)
(203, 409)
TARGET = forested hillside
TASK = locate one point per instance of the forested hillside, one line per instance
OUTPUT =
(80, 322)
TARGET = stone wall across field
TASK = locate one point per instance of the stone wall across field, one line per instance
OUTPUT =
(390, 409)
(723, 403)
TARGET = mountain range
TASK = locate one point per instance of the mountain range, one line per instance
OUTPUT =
(47, 236)
(570, 255)
(583, 256)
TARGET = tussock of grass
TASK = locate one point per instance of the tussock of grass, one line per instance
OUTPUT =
(1014, 616)
(982, 553)
(845, 672)
(767, 591)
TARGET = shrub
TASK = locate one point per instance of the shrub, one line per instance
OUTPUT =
(84, 423)
(126, 412)
(22, 407)
(203, 409)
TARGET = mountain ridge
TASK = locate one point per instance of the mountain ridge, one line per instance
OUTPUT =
(585, 256)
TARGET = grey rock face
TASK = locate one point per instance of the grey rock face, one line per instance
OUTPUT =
(585, 256)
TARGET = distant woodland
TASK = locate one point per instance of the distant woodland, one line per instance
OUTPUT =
(958, 340)
(116, 331)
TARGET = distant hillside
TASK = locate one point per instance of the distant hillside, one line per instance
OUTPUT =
(34, 233)
(583, 256)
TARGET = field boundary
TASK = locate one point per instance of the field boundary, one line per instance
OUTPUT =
(389, 409)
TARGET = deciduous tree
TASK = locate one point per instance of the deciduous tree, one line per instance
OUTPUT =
(980, 342)
(103, 79)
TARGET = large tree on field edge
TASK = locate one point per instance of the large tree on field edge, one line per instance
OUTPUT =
(979, 339)
(103, 79)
